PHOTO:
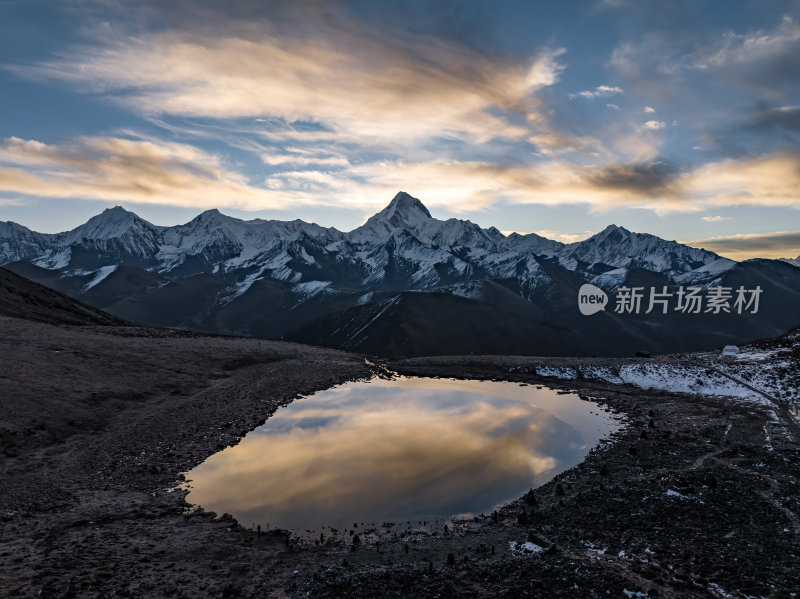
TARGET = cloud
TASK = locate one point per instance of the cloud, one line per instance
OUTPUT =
(152, 171)
(297, 159)
(770, 180)
(648, 179)
(612, 106)
(601, 91)
(765, 59)
(715, 219)
(649, 109)
(654, 125)
(780, 244)
(660, 186)
(465, 186)
(771, 120)
(565, 237)
(695, 74)
(131, 170)
(329, 69)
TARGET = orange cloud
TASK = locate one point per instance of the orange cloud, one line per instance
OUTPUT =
(343, 75)
(125, 170)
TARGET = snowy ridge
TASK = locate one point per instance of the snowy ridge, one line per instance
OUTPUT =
(617, 247)
(115, 230)
(20, 243)
(402, 247)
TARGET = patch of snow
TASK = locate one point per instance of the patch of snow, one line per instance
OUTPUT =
(715, 588)
(602, 373)
(611, 279)
(686, 379)
(310, 288)
(673, 493)
(364, 299)
(706, 273)
(306, 257)
(563, 373)
(526, 548)
(597, 550)
(78, 272)
(100, 275)
(247, 255)
(54, 259)
(757, 355)
(242, 286)
(470, 290)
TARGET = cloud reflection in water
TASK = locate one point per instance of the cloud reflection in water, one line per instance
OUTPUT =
(397, 450)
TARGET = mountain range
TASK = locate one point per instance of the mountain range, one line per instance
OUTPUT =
(402, 284)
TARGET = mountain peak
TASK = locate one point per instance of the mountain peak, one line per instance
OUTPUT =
(612, 227)
(116, 210)
(404, 210)
(111, 223)
(212, 217)
(611, 234)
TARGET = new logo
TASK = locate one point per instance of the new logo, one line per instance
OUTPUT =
(591, 299)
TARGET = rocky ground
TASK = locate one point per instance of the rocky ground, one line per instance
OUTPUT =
(698, 495)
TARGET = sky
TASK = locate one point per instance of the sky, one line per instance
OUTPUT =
(677, 118)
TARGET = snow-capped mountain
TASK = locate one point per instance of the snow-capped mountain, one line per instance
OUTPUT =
(269, 277)
(400, 247)
(20, 243)
(792, 261)
(619, 248)
(409, 214)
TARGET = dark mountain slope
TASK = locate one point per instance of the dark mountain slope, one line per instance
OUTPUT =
(22, 298)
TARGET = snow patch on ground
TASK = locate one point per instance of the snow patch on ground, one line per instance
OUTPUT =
(563, 373)
(756, 355)
(773, 372)
(674, 493)
(526, 548)
(715, 588)
(602, 373)
(681, 378)
(596, 551)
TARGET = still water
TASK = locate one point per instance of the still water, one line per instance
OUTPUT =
(402, 449)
